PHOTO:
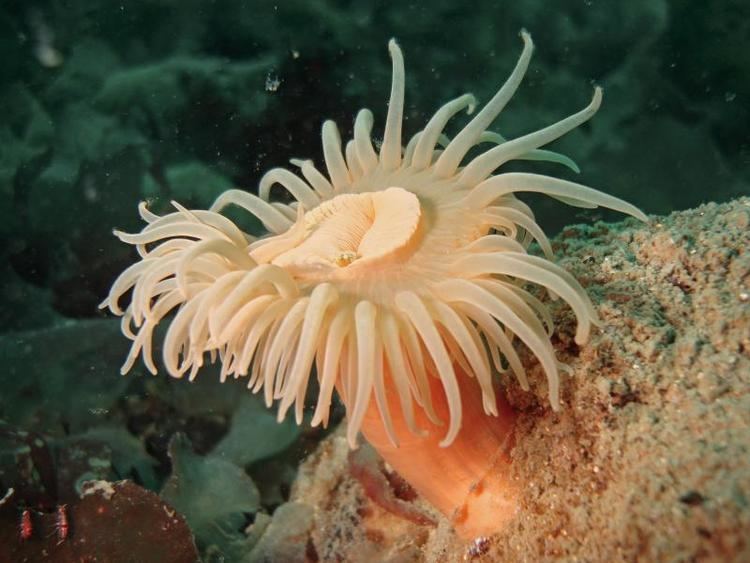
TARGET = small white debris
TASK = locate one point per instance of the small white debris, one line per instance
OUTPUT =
(93, 487)
(48, 56)
(44, 49)
(272, 82)
(8, 494)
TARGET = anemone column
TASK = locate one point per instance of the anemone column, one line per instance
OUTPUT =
(469, 481)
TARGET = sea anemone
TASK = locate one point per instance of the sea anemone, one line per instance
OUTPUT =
(401, 280)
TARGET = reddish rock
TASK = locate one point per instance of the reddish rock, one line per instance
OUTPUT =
(110, 522)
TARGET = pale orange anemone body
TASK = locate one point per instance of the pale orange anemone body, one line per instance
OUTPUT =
(400, 279)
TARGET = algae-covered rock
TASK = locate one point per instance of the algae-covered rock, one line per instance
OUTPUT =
(102, 453)
(25, 306)
(214, 495)
(73, 418)
(255, 434)
(196, 184)
(163, 90)
(648, 458)
(61, 377)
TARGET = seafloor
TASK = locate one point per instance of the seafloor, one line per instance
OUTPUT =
(649, 459)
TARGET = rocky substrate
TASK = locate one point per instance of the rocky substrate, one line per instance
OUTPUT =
(649, 458)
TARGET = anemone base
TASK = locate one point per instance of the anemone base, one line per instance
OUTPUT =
(468, 481)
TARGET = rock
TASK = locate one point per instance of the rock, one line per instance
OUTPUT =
(649, 456)
(110, 522)
(286, 537)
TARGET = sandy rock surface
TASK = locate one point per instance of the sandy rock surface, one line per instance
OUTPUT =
(649, 459)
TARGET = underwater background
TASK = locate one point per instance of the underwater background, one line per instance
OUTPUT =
(104, 104)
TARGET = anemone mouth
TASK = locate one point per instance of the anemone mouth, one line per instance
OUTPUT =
(398, 268)
(351, 232)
